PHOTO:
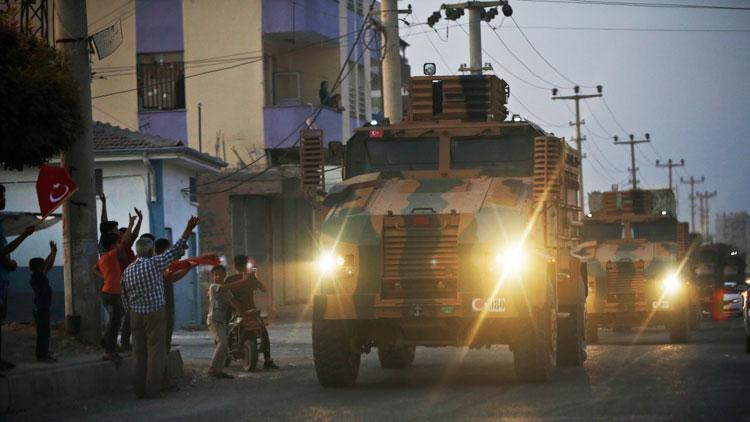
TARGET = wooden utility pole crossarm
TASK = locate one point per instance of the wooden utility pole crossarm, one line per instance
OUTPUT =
(670, 165)
(692, 182)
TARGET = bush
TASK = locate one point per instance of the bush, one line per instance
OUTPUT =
(39, 105)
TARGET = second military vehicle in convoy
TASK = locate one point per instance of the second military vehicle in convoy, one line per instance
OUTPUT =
(638, 267)
(452, 228)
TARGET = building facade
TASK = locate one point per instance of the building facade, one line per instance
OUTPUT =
(153, 174)
(734, 229)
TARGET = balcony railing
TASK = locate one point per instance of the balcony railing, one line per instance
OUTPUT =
(281, 124)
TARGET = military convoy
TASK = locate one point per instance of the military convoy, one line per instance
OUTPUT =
(638, 264)
(452, 228)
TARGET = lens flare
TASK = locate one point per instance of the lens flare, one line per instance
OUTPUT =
(671, 284)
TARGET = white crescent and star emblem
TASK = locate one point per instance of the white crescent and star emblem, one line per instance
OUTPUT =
(53, 198)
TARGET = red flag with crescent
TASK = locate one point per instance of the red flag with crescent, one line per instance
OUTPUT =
(53, 187)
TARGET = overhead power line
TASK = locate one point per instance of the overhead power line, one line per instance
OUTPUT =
(639, 4)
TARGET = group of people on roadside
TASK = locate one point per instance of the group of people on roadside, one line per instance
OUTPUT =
(39, 267)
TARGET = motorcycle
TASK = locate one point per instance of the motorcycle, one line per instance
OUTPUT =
(244, 335)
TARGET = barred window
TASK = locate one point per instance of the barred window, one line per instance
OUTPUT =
(161, 81)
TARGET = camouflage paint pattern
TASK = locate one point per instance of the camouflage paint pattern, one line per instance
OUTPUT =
(424, 242)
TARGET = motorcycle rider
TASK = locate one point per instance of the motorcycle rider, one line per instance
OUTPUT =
(243, 286)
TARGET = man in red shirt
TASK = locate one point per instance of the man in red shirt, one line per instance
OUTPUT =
(109, 268)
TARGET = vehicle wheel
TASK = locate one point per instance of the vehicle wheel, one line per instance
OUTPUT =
(747, 343)
(695, 318)
(571, 346)
(250, 352)
(334, 353)
(535, 342)
(592, 331)
(679, 327)
(392, 357)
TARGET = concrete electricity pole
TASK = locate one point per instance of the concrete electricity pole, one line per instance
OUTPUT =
(82, 308)
(579, 139)
(393, 107)
(477, 13)
(632, 142)
(692, 182)
(670, 165)
(704, 210)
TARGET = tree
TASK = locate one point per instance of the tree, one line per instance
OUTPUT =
(39, 110)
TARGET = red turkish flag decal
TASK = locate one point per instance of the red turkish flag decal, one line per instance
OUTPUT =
(53, 187)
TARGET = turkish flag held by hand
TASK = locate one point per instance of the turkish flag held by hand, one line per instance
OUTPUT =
(192, 262)
(53, 187)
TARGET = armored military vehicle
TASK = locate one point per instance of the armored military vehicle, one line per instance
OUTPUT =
(452, 228)
(638, 264)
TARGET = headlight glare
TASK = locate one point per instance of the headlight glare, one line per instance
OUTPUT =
(671, 284)
(512, 260)
(330, 262)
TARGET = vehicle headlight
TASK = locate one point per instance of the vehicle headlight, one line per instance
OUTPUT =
(512, 261)
(331, 263)
(671, 284)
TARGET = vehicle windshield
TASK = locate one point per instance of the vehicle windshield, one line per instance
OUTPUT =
(394, 155)
(509, 156)
(602, 231)
(663, 230)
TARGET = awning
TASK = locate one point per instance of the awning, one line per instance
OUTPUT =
(15, 222)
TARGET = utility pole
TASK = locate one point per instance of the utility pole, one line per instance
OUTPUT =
(692, 182)
(393, 107)
(632, 142)
(82, 308)
(704, 209)
(579, 139)
(477, 14)
(670, 165)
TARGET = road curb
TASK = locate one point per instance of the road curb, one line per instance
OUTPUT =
(77, 380)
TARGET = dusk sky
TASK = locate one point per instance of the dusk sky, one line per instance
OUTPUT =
(689, 89)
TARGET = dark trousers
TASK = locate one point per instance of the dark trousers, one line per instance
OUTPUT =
(149, 355)
(169, 315)
(266, 342)
(41, 317)
(125, 332)
(113, 306)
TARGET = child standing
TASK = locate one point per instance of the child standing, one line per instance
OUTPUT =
(42, 302)
(220, 299)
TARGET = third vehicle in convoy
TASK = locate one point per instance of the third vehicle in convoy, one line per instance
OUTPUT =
(639, 269)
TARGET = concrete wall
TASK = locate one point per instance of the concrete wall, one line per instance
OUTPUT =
(116, 72)
(231, 99)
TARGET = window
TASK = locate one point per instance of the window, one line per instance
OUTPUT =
(655, 230)
(509, 156)
(161, 81)
(286, 88)
(602, 231)
(402, 154)
(356, 91)
(193, 190)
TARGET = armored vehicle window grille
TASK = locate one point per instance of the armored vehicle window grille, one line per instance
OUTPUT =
(402, 154)
(602, 231)
(419, 263)
(664, 230)
(510, 156)
(625, 282)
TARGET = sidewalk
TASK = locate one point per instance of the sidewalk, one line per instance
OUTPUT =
(79, 373)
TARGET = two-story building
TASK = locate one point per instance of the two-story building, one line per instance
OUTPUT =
(238, 79)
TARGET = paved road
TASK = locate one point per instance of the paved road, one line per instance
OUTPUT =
(628, 376)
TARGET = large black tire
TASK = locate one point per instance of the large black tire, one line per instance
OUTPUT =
(335, 354)
(571, 345)
(392, 357)
(592, 331)
(679, 325)
(535, 341)
(250, 352)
